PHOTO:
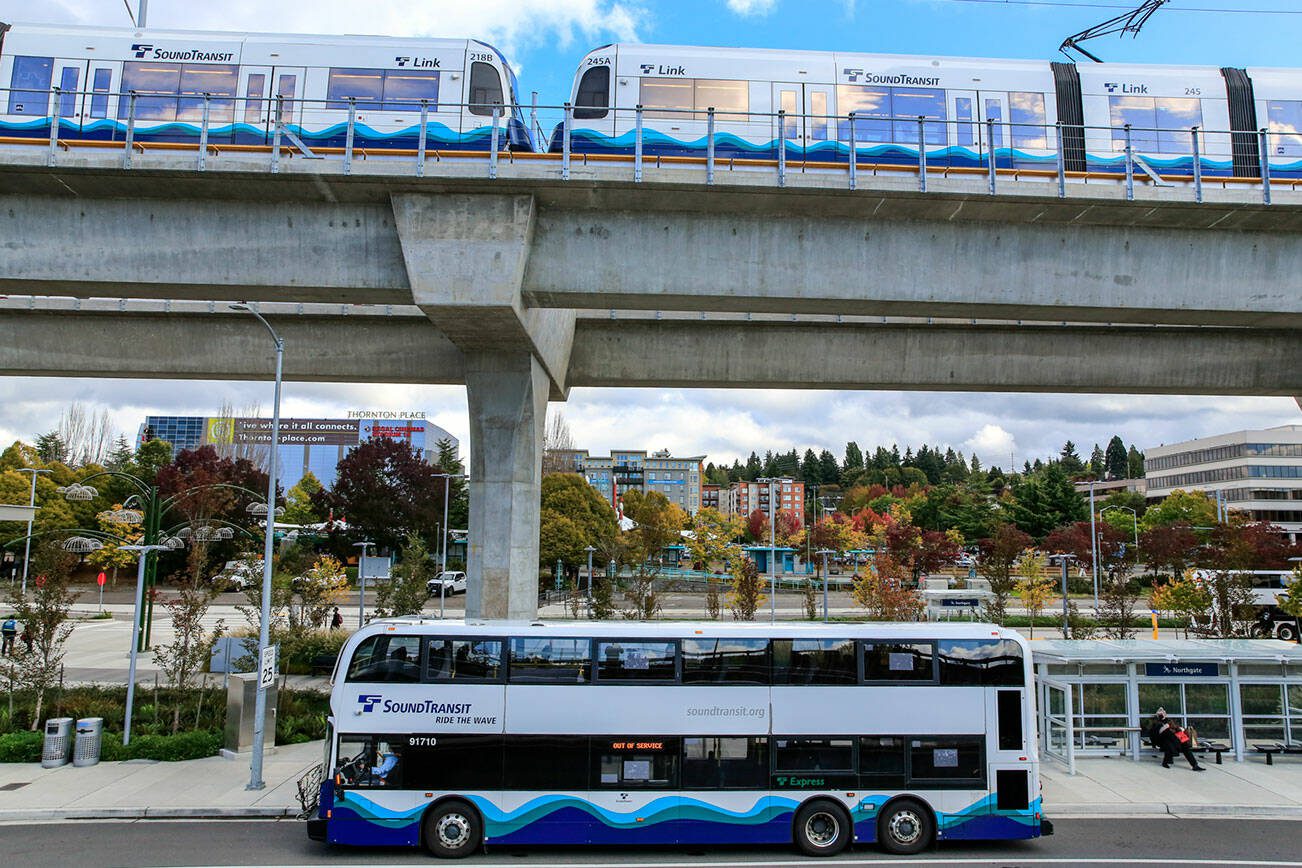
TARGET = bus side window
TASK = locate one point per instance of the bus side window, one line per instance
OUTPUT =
(638, 762)
(369, 762)
(379, 659)
(712, 763)
(981, 662)
(463, 660)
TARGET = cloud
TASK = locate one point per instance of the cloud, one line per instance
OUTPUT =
(992, 440)
(752, 8)
(510, 24)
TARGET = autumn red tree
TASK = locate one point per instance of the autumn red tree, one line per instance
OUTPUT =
(757, 525)
(1171, 549)
(387, 491)
(996, 556)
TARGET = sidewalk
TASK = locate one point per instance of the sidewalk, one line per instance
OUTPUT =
(135, 789)
(1118, 786)
(1113, 787)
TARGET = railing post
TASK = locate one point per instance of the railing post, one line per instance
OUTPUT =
(492, 148)
(1197, 167)
(275, 136)
(1264, 147)
(420, 138)
(1062, 164)
(709, 145)
(54, 127)
(348, 135)
(782, 148)
(990, 155)
(1130, 168)
(637, 144)
(922, 155)
(203, 134)
(131, 130)
(565, 142)
(854, 156)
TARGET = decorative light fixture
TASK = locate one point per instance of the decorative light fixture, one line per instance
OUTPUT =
(77, 491)
(260, 508)
(123, 516)
(174, 543)
(81, 545)
(210, 533)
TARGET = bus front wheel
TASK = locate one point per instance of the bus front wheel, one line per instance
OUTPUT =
(822, 829)
(452, 830)
(905, 828)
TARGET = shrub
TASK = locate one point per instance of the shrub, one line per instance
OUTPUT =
(21, 747)
(297, 651)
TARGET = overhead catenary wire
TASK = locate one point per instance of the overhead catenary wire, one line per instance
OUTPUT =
(1064, 4)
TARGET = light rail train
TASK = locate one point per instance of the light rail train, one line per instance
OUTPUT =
(457, 82)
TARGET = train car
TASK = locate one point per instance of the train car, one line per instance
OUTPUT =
(312, 78)
(963, 110)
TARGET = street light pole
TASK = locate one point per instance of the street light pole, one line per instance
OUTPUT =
(773, 567)
(27, 551)
(361, 583)
(1063, 559)
(264, 630)
(824, 553)
(590, 550)
(1094, 550)
(144, 551)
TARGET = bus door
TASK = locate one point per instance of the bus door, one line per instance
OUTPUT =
(253, 108)
(1010, 751)
(69, 77)
(368, 781)
(806, 122)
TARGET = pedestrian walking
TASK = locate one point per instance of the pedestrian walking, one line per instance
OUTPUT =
(27, 638)
(8, 630)
(1172, 739)
(336, 620)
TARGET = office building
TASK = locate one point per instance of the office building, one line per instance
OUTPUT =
(315, 445)
(1256, 472)
(677, 478)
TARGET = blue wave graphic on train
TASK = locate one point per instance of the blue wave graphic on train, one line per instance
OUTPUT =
(437, 135)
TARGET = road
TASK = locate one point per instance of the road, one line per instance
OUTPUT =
(1165, 841)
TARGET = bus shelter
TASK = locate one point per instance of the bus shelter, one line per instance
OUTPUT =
(1096, 696)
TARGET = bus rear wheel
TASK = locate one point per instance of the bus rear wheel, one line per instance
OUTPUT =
(452, 831)
(905, 828)
(822, 829)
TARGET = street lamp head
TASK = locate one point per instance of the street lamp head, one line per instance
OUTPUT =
(77, 491)
(173, 543)
(260, 508)
(241, 306)
(81, 545)
(123, 516)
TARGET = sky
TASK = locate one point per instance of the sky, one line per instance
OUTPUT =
(544, 40)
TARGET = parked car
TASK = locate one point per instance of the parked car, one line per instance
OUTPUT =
(451, 582)
(239, 574)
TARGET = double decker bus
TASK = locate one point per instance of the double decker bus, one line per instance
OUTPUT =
(455, 736)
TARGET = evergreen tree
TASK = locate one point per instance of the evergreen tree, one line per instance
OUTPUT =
(853, 458)
(770, 466)
(829, 471)
(1069, 460)
(974, 465)
(1115, 459)
(120, 457)
(736, 473)
(51, 448)
(1135, 463)
(1098, 463)
(810, 470)
(754, 469)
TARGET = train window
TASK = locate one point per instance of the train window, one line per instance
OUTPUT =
(253, 90)
(286, 90)
(963, 114)
(404, 89)
(1026, 111)
(216, 80)
(657, 95)
(1285, 119)
(814, 661)
(485, 88)
(550, 661)
(100, 84)
(148, 80)
(730, 99)
(68, 91)
(818, 119)
(916, 102)
(366, 86)
(29, 92)
(875, 106)
(1158, 125)
(871, 107)
(995, 112)
(791, 114)
(386, 659)
(981, 662)
(593, 99)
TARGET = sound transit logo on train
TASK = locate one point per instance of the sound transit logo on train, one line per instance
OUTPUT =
(653, 69)
(418, 62)
(1113, 87)
(855, 75)
(148, 50)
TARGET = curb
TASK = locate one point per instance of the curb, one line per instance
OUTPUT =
(149, 813)
(1094, 811)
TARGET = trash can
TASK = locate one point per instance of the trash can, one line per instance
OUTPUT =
(58, 742)
(90, 733)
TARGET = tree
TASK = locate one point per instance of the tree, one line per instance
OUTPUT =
(885, 593)
(1170, 550)
(1069, 460)
(713, 534)
(1291, 600)
(301, 501)
(557, 442)
(998, 554)
(1034, 588)
(44, 615)
(1183, 597)
(1134, 463)
(406, 592)
(1188, 508)
(86, 435)
(829, 472)
(1116, 461)
(192, 641)
(810, 469)
(1098, 466)
(574, 516)
(319, 589)
(788, 529)
(111, 556)
(51, 447)
(1045, 501)
(657, 523)
(388, 492)
(757, 526)
(747, 593)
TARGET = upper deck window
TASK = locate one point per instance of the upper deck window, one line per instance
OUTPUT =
(29, 85)
(463, 660)
(981, 662)
(814, 661)
(725, 661)
(554, 661)
(636, 661)
(898, 661)
(593, 98)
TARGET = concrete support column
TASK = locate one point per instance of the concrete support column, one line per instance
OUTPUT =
(507, 393)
